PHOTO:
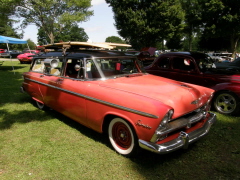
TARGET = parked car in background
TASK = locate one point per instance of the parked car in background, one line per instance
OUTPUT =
(229, 65)
(26, 57)
(110, 92)
(198, 68)
(220, 57)
(10, 53)
(2, 51)
(147, 55)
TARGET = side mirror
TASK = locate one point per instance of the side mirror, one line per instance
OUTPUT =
(52, 63)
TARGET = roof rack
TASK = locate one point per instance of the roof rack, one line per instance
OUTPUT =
(83, 45)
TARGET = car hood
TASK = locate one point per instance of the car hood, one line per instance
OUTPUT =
(182, 97)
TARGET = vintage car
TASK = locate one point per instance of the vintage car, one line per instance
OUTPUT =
(220, 57)
(229, 65)
(2, 50)
(26, 57)
(111, 93)
(10, 54)
(146, 55)
(198, 68)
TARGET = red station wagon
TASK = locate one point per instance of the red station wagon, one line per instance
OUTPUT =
(110, 92)
(199, 68)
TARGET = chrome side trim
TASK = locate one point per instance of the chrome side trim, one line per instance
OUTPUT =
(182, 141)
(98, 100)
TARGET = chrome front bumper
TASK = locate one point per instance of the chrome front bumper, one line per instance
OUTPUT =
(182, 141)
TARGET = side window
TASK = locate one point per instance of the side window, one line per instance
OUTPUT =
(38, 66)
(164, 63)
(183, 64)
(74, 68)
(56, 70)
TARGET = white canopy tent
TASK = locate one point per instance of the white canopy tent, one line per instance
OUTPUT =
(10, 40)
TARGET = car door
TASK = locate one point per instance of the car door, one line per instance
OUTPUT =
(180, 68)
(186, 69)
(63, 93)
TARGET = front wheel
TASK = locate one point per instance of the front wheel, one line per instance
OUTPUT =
(122, 137)
(227, 103)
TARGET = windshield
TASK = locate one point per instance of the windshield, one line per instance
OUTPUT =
(113, 67)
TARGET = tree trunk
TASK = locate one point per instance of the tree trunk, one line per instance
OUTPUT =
(234, 44)
(51, 37)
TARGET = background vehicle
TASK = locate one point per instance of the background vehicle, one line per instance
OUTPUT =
(2, 51)
(26, 57)
(110, 92)
(199, 68)
(12, 53)
(220, 57)
(234, 65)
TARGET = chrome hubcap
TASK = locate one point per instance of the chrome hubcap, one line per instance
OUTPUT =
(225, 103)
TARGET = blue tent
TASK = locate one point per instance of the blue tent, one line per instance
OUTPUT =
(10, 40)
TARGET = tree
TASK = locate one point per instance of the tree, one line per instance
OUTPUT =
(7, 11)
(70, 33)
(54, 16)
(144, 23)
(220, 19)
(192, 21)
(116, 39)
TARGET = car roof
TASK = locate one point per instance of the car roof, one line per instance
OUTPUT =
(187, 53)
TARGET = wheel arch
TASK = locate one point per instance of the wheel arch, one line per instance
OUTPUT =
(109, 117)
(237, 98)
(217, 92)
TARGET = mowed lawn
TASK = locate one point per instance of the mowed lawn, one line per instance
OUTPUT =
(45, 145)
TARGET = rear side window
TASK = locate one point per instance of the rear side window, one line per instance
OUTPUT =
(38, 66)
(183, 64)
(41, 67)
(164, 63)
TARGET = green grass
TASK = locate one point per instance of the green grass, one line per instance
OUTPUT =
(45, 145)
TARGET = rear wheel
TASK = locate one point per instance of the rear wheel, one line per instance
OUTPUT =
(122, 137)
(227, 103)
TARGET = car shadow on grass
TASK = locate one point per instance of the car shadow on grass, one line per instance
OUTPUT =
(88, 132)
(23, 116)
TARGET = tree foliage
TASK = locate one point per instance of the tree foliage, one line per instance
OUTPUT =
(116, 39)
(69, 33)
(144, 23)
(53, 16)
(7, 10)
(220, 19)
